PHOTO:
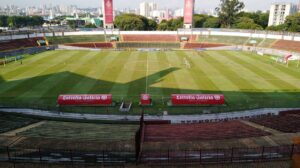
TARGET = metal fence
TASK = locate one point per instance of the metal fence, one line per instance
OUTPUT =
(103, 157)
(168, 157)
(220, 156)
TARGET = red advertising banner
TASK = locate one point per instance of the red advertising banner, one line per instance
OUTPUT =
(108, 11)
(188, 11)
(198, 99)
(145, 99)
(85, 100)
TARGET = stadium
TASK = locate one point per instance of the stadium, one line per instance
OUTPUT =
(195, 97)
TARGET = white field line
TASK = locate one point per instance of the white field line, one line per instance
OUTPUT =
(147, 71)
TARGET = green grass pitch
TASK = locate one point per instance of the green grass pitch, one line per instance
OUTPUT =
(247, 80)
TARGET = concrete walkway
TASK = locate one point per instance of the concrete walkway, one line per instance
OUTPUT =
(172, 118)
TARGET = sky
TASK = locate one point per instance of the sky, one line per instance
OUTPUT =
(200, 4)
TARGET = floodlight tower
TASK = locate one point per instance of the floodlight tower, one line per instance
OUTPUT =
(188, 13)
(108, 14)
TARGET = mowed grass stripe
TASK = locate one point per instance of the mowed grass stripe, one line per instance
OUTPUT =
(12, 88)
(34, 88)
(230, 87)
(24, 70)
(38, 90)
(155, 74)
(268, 75)
(34, 60)
(92, 72)
(291, 72)
(172, 82)
(253, 78)
(138, 83)
(286, 76)
(204, 83)
(67, 80)
(186, 77)
(229, 73)
(124, 76)
(243, 84)
(102, 83)
(182, 80)
(166, 81)
(209, 71)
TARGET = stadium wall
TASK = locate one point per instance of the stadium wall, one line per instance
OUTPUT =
(216, 32)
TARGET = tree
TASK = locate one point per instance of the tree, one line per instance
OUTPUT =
(228, 11)
(11, 21)
(134, 22)
(292, 23)
(175, 24)
(259, 18)
(152, 24)
(212, 22)
(246, 23)
(163, 26)
(90, 26)
(37, 21)
(263, 19)
(172, 24)
(72, 24)
(129, 22)
(21, 21)
(199, 20)
(281, 27)
(3, 21)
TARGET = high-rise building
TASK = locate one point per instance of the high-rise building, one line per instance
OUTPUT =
(279, 12)
(179, 12)
(146, 8)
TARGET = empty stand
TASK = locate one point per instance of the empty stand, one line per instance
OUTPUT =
(201, 45)
(290, 113)
(155, 38)
(203, 131)
(287, 45)
(148, 45)
(285, 123)
(91, 45)
(150, 38)
(20, 43)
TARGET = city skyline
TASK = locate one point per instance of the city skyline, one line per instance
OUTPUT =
(250, 4)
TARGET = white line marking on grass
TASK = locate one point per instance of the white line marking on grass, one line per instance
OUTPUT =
(147, 71)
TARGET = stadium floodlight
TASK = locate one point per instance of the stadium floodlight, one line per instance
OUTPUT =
(188, 13)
